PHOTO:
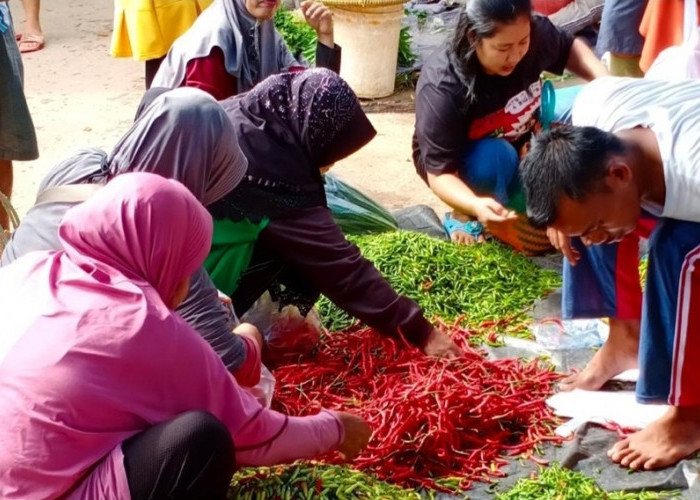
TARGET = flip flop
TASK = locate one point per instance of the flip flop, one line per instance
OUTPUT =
(30, 43)
(471, 227)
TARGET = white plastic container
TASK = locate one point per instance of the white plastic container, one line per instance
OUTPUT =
(369, 37)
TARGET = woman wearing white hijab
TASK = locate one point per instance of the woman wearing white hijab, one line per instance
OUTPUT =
(233, 46)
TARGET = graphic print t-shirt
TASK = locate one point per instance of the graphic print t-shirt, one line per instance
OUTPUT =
(505, 106)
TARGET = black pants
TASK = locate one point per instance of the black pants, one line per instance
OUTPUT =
(152, 66)
(267, 272)
(188, 457)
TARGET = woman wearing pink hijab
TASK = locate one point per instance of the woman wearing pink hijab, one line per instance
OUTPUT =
(105, 392)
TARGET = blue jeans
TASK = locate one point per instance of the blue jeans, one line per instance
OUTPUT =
(490, 165)
(619, 27)
(490, 168)
(669, 345)
(605, 282)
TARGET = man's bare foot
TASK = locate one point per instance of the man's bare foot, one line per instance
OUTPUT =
(666, 441)
(619, 353)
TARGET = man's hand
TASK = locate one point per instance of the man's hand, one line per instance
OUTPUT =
(320, 18)
(562, 243)
(440, 345)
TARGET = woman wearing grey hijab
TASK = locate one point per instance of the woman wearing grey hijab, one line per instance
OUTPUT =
(180, 135)
(233, 45)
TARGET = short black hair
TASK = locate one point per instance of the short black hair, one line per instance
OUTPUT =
(567, 161)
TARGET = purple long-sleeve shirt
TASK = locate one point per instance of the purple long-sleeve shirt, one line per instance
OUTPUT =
(312, 244)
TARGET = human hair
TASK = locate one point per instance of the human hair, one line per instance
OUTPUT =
(480, 20)
(566, 160)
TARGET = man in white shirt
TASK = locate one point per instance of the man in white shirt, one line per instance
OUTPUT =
(631, 167)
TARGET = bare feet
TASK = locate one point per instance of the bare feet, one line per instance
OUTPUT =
(32, 38)
(666, 441)
(619, 353)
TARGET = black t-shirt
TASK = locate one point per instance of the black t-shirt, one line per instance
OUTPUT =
(505, 106)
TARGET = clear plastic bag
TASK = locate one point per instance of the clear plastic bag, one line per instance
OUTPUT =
(555, 334)
(680, 62)
(265, 389)
(287, 333)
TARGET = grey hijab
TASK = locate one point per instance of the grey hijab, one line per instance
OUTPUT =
(184, 135)
(252, 50)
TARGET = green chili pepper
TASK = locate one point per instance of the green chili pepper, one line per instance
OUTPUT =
(482, 282)
(563, 484)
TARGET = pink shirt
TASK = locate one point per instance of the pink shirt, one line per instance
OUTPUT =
(70, 395)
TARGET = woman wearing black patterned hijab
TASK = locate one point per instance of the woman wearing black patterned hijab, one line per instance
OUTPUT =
(275, 227)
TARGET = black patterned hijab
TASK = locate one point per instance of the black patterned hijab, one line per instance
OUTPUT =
(291, 125)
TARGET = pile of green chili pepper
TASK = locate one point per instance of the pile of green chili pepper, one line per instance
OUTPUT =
(482, 282)
(433, 420)
(558, 483)
(313, 481)
(297, 34)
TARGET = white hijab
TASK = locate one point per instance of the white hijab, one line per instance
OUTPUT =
(228, 25)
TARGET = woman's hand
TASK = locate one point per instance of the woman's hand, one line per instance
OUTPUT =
(250, 331)
(357, 435)
(440, 345)
(320, 18)
(492, 214)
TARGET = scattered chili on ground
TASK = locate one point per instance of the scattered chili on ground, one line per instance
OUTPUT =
(437, 424)
(314, 481)
(559, 483)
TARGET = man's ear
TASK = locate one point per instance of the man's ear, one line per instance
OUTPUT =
(619, 172)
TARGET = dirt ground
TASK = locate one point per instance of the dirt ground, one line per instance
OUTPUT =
(80, 96)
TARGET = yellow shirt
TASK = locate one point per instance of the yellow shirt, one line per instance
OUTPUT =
(145, 29)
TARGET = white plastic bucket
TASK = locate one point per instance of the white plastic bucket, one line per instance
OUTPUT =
(369, 37)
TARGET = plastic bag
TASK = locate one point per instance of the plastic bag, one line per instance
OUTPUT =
(265, 389)
(556, 334)
(287, 333)
(420, 219)
(679, 62)
(691, 475)
(355, 212)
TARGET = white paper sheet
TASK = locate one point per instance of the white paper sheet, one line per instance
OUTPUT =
(602, 407)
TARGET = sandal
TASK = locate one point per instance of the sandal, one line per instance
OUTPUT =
(471, 227)
(30, 43)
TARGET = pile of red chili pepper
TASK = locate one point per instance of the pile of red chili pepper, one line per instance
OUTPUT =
(437, 424)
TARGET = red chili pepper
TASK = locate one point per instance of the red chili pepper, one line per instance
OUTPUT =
(431, 418)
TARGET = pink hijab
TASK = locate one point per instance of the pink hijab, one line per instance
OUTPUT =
(90, 355)
(88, 333)
(125, 235)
